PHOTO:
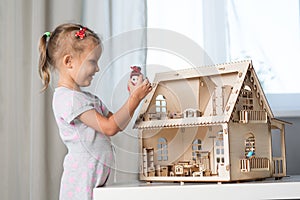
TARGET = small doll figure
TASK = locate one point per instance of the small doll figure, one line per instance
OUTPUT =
(250, 154)
(134, 75)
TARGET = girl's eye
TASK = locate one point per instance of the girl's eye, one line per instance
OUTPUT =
(93, 62)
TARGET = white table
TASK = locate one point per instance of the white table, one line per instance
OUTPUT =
(286, 188)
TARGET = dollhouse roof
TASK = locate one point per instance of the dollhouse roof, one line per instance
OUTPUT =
(232, 74)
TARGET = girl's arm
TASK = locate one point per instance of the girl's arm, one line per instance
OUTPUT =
(114, 123)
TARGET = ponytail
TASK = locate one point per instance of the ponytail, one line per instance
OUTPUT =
(44, 67)
(63, 39)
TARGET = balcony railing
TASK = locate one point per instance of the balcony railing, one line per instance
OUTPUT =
(253, 116)
(254, 164)
(278, 169)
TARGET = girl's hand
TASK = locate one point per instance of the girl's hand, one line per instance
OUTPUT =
(113, 123)
(140, 89)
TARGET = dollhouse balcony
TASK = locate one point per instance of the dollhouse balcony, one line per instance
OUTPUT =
(278, 167)
(254, 164)
(253, 116)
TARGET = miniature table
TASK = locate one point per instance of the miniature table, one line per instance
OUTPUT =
(286, 188)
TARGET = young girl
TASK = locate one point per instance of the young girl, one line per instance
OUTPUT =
(84, 122)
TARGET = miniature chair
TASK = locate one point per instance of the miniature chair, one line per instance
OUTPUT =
(179, 170)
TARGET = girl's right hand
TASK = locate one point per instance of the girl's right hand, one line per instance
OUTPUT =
(140, 89)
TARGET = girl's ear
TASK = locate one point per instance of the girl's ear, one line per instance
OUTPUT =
(67, 61)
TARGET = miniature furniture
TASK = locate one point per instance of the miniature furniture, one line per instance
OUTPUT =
(199, 125)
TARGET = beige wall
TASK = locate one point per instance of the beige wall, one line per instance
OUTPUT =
(237, 135)
(182, 94)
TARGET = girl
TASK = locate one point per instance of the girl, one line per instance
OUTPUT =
(84, 122)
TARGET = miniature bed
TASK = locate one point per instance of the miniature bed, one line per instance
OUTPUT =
(209, 124)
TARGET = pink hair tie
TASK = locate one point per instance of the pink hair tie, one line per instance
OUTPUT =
(81, 33)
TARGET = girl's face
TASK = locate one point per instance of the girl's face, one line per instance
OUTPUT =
(86, 65)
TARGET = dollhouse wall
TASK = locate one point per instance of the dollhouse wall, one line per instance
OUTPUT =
(179, 95)
(183, 94)
(238, 133)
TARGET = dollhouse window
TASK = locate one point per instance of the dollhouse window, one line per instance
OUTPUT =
(247, 98)
(196, 147)
(161, 104)
(250, 145)
(162, 149)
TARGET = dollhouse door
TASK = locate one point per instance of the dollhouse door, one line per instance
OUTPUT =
(218, 153)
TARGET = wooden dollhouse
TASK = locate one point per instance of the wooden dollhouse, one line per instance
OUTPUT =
(209, 124)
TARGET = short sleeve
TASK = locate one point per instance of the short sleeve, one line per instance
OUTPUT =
(79, 103)
(101, 107)
(104, 109)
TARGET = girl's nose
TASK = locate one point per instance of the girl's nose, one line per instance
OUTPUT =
(97, 68)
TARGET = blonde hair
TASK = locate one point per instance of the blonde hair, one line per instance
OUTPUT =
(62, 40)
